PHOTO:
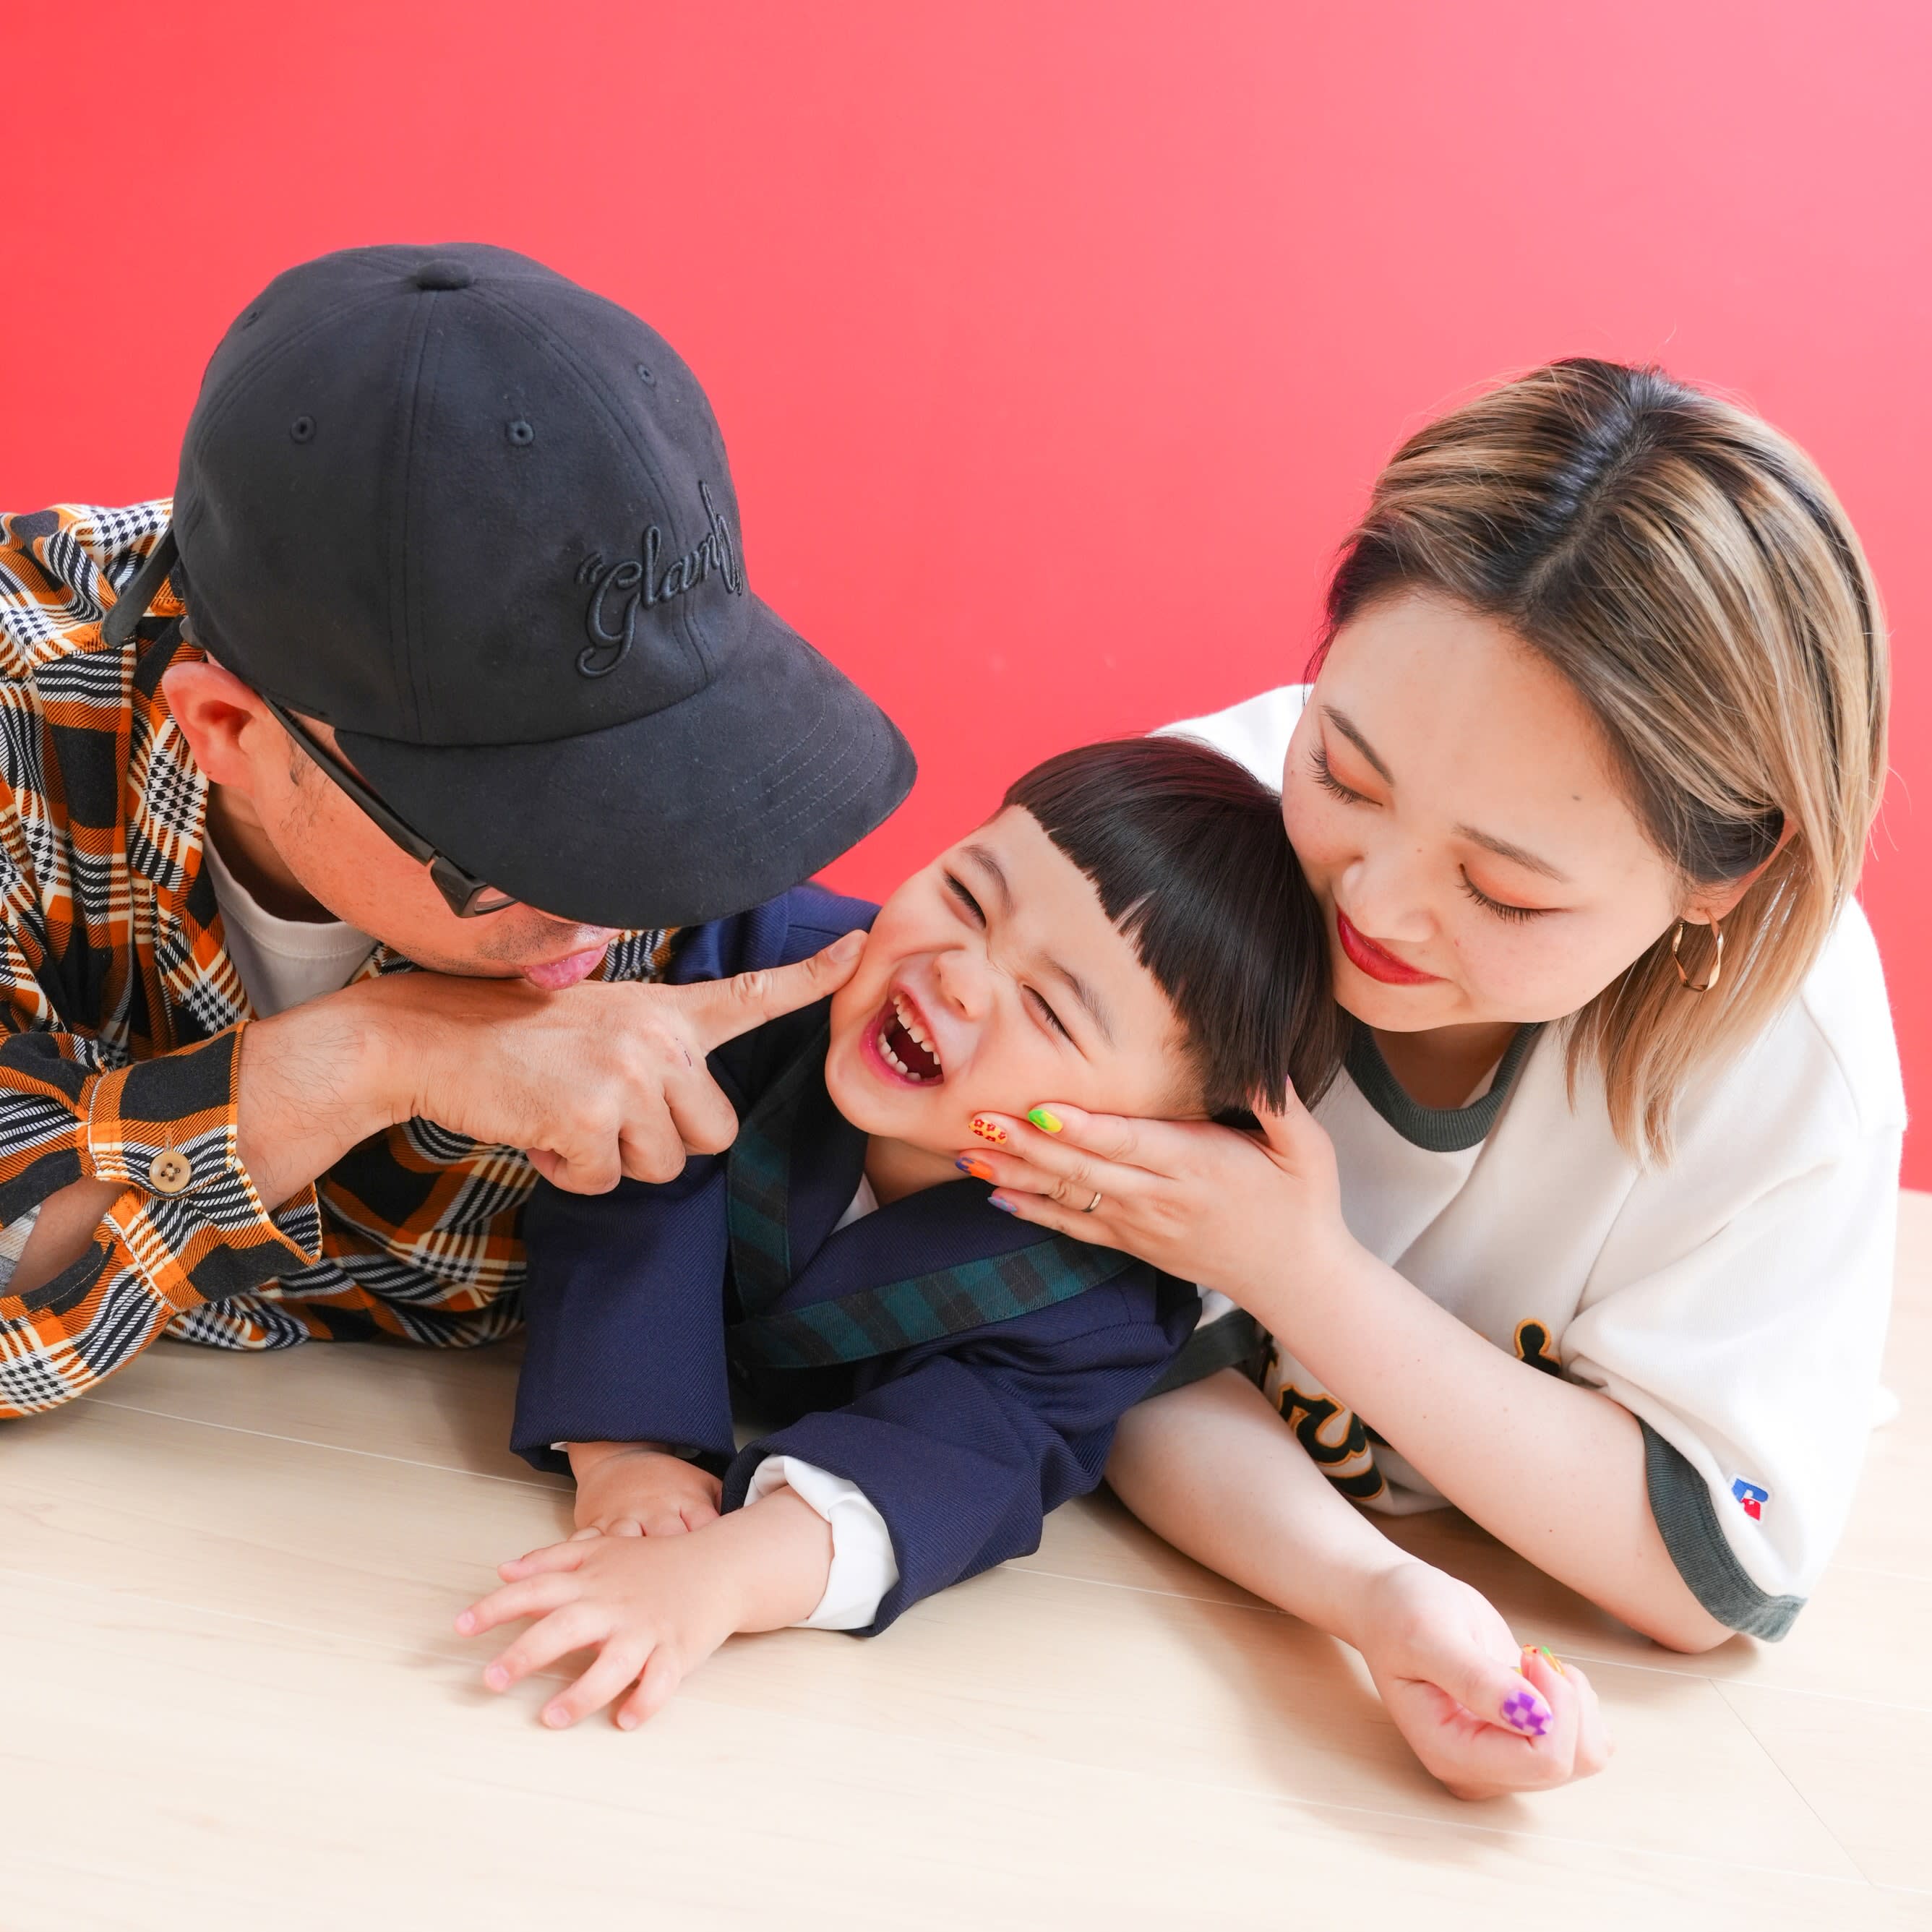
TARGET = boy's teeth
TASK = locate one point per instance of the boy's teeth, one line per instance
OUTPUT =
(892, 1060)
(908, 1020)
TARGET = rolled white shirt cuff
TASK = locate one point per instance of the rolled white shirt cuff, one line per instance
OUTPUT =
(863, 1566)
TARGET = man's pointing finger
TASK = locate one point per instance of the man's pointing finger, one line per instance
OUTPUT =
(721, 1010)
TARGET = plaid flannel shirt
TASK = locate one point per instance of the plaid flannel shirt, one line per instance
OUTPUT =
(121, 1024)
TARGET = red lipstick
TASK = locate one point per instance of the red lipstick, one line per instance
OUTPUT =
(1377, 961)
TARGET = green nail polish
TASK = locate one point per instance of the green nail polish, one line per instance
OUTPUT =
(1047, 1121)
(1549, 1656)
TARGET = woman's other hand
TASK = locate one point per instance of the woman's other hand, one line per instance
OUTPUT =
(1485, 1716)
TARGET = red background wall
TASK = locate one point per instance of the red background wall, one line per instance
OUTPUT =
(1056, 343)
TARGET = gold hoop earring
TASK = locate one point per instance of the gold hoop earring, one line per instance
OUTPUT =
(1716, 963)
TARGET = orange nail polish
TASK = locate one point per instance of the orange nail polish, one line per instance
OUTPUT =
(1550, 1658)
(988, 1130)
(978, 1169)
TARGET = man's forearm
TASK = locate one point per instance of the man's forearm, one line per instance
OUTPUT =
(63, 1231)
(314, 1082)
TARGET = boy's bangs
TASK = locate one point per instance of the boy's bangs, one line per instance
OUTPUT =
(1187, 850)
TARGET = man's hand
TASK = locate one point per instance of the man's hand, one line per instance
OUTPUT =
(595, 1082)
(635, 1489)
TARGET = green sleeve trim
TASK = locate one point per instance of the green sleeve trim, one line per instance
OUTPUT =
(1680, 1500)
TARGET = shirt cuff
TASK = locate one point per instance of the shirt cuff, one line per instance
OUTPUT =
(863, 1566)
(192, 1222)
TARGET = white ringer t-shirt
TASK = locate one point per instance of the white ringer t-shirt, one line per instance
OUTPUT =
(1735, 1300)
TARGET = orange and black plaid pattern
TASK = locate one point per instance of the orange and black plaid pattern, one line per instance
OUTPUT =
(121, 1015)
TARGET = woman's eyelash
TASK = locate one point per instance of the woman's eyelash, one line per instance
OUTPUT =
(1325, 776)
(965, 899)
(1515, 913)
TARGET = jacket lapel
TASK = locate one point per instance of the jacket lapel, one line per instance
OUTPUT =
(936, 1264)
(776, 1203)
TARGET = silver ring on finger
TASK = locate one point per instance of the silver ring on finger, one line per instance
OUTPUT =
(1093, 1203)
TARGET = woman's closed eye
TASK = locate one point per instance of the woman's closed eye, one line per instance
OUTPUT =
(1325, 776)
(1500, 908)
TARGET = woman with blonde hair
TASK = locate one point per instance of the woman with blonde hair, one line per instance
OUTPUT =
(1594, 1239)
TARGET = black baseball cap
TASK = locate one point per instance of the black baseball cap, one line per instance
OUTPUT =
(479, 521)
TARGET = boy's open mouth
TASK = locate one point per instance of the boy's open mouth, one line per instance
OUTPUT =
(900, 1036)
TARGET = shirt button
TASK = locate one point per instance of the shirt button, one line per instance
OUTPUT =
(169, 1171)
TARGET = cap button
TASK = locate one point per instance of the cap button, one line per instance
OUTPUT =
(440, 272)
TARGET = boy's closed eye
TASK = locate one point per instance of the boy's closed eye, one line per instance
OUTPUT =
(1037, 1003)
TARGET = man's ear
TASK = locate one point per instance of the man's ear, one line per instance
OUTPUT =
(1717, 902)
(227, 726)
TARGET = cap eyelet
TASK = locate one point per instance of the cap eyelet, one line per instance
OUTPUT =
(521, 433)
(644, 371)
(249, 320)
(302, 429)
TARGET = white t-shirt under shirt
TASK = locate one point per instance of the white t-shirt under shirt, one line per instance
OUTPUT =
(282, 962)
(1735, 1300)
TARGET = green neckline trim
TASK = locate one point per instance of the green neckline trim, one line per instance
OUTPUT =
(1439, 1130)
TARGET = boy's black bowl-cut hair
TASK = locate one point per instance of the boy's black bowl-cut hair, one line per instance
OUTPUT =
(1186, 848)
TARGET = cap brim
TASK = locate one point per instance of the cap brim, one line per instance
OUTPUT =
(735, 794)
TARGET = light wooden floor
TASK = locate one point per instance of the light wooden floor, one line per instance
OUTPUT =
(233, 1698)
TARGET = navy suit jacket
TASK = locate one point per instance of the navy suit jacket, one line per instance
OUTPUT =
(962, 1443)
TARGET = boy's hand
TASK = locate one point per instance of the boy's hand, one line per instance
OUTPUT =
(654, 1607)
(634, 1489)
(1483, 1715)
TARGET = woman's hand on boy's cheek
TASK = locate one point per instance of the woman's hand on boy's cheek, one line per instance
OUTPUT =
(632, 1489)
(652, 1609)
(1165, 1187)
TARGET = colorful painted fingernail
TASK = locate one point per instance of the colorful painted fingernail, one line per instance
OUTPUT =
(978, 1169)
(1046, 1120)
(988, 1130)
(1549, 1657)
(1005, 1207)
(1526, 1712)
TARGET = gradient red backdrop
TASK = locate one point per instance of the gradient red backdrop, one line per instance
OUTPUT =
(1056, 344)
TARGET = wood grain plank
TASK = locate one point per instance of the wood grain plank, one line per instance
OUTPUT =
(296, 1779)
(1187, 1692)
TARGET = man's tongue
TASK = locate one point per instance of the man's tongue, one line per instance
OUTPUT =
(553, 975)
